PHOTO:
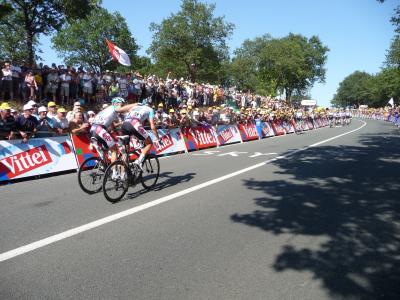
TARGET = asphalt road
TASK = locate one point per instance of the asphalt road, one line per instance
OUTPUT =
(271, 219)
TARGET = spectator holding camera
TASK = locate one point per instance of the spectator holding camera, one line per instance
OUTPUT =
(78, 125)
(45, 125)
(7, 82)
(61, 123)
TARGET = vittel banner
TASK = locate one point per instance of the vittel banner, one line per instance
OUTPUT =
(248, 131)
(199, 137)
(228, 134)
(264, 129)
(172, 141)
(36, 157)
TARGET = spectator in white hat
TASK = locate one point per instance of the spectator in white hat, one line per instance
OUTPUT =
(26, 123)
(46, 124)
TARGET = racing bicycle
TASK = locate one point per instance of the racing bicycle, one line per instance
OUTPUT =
(91, 171)
(124, 172)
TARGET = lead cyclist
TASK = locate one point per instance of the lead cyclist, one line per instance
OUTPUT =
(133, 125)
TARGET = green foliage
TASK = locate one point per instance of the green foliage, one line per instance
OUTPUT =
(393, 54)
(35, 17)
(192, 42)
(291, 64)
(83, 42)
(355, 89)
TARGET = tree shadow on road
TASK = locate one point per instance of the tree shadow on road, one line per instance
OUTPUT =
(349, 196)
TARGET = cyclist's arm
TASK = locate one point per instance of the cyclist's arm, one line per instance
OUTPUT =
(153, 128)
(126, 108)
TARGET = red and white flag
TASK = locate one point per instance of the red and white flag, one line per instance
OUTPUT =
(118, 54)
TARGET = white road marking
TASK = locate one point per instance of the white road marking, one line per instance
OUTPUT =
(256, 154)
(232, 153)
(74, 231)
(208, 152)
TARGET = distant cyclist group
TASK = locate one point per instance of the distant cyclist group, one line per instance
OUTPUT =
(339, 117)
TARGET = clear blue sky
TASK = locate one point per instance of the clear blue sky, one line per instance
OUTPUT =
(357, 32)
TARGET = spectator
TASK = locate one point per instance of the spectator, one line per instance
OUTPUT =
(52, 84)
(31, 85)
(78, 125)
(87, 86)
(34, 106)
(52, 110)
(45, 125)
(26, 123)
(16, 78)
(65, 79)
(77, 108)
(39, 85)
(91, 116)
(7, 122)
(61, 123)
(172, 120)
(7, 83)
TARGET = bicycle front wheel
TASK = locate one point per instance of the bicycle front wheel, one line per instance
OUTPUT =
(91, 174)
(151, 172)
(116, 181)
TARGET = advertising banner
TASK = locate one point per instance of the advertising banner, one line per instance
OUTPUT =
(36, 157)
(81, 144)
(248, 131)
(310, 124)
(288, 126)
(278, 128)
(172, 139)
(228, 134)
(199, 137)
(264, 129)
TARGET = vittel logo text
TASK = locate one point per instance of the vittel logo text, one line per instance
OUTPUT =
(24, 162)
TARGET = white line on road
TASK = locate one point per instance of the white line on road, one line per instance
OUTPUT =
(74, 231)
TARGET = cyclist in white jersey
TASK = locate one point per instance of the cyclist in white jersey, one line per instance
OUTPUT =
(133, 125)
(104, 122)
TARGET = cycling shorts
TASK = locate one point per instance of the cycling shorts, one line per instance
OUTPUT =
(102, 136)
(135, 128)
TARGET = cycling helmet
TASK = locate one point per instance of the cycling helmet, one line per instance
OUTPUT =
(116, 100)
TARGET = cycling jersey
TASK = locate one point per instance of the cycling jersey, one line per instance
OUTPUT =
(134, 120)
(141, 113)
(106, 117)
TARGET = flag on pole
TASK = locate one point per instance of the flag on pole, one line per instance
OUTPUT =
(118, 54)
(391, 102)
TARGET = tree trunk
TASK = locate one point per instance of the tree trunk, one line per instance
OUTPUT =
(288, 93)
(29, 46)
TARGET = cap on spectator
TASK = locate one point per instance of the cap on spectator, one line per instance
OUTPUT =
(189, 107)
(196, 113)
(91, 112)
(183, 111)
(160, 105)
(51, 104)
(172, 110)
(31, 103)
(61, 110)
(13, 110)
(77, 103)
(42, 108)
(27, 107)
(5, 106)
(105, 105)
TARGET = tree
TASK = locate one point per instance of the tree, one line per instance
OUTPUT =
(357, 88)
(191, 43)
(37, 17)
(83, 42)
(245, 67)
(293, 63)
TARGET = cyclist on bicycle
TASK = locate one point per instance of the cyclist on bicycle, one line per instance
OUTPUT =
(104, 122)
(133, 125)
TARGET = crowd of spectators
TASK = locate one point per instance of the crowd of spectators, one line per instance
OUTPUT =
(46, 92)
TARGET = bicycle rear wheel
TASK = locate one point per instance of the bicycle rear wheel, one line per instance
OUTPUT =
(116, 181)
(91, 174)
(151, 171)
